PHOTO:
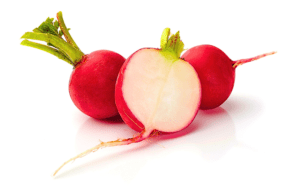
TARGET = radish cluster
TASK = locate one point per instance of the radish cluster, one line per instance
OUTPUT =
(155, 90)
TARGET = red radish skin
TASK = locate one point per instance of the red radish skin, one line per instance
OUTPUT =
(156, 92)
(216, 72)
(92, 82)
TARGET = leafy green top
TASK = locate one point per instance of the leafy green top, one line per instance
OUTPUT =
(171, 44)
(49, 26)
(51, 32)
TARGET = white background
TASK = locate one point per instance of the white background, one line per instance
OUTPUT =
(252, 140)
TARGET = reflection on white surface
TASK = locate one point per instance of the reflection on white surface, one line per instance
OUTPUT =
(217, 135)
(212, 133)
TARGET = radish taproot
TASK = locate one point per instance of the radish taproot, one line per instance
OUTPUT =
(92, 82)
(156, 92)
(216, 72)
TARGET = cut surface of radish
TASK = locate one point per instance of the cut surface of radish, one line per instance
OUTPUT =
(161, 91)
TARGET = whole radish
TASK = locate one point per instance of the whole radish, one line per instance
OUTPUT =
(216, 72)
(156, 91)
(92, 82)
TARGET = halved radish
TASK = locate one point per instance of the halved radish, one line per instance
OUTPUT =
(156, 91)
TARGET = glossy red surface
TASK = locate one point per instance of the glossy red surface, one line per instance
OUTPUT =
(92, 84)
(215, 71)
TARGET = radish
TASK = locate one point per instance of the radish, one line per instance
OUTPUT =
(92, 82)
(216, 72)
(156, 92)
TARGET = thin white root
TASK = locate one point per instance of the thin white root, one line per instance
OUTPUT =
(140, 137)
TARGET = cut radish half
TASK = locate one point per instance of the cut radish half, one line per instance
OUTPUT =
(156, 91)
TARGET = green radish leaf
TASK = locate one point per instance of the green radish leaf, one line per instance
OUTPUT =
(171, 44)
(51, 32)
(49, 26)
